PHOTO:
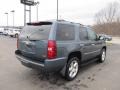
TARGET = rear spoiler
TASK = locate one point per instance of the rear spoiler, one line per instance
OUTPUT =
(39, 23)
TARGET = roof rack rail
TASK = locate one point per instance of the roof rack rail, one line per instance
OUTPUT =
(65, 21)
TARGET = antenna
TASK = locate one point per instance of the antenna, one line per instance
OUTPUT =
(57, 9)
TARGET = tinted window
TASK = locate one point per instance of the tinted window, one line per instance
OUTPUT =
(91, 34)
(36, 32)
(65, 32)
(83, 34)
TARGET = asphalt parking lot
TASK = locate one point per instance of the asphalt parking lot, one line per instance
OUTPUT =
(14, 76)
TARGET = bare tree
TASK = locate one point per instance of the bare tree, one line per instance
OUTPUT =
(108, 14)
(108, 19)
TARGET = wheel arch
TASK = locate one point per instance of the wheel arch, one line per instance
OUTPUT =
(75, 53)
(104, 47)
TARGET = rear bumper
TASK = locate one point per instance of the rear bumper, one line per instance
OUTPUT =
(52, 65)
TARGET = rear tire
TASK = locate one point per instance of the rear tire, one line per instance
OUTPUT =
(72, 68)
(102, 57)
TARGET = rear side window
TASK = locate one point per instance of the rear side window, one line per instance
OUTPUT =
(83, 34)
(65, 32)
(36, 32)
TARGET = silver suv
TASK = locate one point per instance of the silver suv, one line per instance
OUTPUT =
(59, 46)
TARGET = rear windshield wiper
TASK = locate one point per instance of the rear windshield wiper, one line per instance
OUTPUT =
(29, 37)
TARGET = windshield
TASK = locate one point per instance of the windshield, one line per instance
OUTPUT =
(36, 32)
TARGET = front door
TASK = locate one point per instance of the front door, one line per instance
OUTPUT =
(95, 44)
(87, 46)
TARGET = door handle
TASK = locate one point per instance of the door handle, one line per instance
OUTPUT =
(82, 45)
(92, 44)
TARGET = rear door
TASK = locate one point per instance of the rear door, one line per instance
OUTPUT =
(33, 41)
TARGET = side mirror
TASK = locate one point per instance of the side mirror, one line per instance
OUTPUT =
(100, 38)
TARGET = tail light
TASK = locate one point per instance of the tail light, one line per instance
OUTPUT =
(52, 50)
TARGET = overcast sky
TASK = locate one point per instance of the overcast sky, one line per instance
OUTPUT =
(81, 11)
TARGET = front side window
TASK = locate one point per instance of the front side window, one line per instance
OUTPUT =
(91, 34)
(65, 32)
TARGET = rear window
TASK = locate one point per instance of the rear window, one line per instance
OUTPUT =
(36, 32)
(65, 32)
